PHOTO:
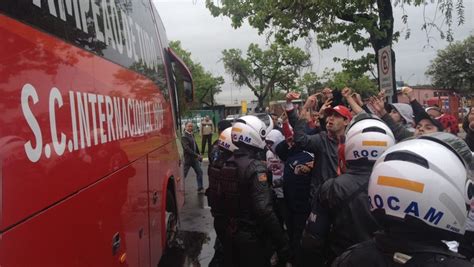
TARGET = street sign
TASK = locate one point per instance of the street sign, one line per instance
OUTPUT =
(385, 70)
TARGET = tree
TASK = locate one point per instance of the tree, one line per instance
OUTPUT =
(206, 86)
(309, 83)
(356, 23)
(362, 84)
(265, 71)
(453, 67)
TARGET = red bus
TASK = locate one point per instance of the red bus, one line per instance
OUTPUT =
(90, 157)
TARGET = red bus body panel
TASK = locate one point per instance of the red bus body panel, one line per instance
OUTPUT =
(64, 207)
(78, 231)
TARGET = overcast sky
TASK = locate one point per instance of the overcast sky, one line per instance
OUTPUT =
(206, 36)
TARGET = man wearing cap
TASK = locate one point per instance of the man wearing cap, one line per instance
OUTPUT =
(328, 147)
(400, 113)
(449, 122)
(424, 123)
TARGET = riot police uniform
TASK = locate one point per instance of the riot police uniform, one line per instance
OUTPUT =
(340, 215)
(342, 202)
(243, 213)
(220, 156)
(418, 203)
(400, 250)
(222, 150)
(241, 203)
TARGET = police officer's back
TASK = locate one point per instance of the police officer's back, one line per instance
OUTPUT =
(340, 214)
(221, 151)
(244, 217)
(222, 177)
(417, 191)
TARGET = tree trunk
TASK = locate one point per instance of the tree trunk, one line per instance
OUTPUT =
(261, 107)
(378, 42)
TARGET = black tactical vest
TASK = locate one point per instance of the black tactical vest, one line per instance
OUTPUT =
(228, 193)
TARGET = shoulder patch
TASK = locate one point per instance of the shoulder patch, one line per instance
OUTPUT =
(262, 177)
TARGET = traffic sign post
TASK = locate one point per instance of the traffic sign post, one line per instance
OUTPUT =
(385, 71)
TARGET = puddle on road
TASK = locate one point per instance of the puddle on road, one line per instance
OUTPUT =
(186, 250)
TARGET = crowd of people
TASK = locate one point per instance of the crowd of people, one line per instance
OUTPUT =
(340, 182)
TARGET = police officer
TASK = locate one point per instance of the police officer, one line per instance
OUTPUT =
(418, 191)
(340, 215)
(242, 205)
(215, 148)
(466, 246)
(221, 151)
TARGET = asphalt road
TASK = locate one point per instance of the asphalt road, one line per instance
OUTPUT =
(196, 232)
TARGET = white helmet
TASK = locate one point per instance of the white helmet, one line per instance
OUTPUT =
(276, 137)
(225, 140)
(424, 182)
(267, 119)
(367, 137)
(249, 130)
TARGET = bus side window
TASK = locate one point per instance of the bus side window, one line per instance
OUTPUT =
(188, 91)
(183, 84)
(175, 98)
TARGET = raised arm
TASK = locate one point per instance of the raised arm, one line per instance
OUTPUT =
(310, 143)
(348, 95)
(415, 105)
(290, 109)
(398, 130)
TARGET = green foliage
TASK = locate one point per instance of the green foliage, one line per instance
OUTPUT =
(277, 96)
(309, 83)
(453, 66)
(359, 67)
(265, 72)
(356, 23)
(361, 84)
(206, 85)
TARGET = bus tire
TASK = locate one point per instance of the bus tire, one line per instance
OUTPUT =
(171, 220)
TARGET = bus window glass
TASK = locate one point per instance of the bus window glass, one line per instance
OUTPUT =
(183, 81)
(188, 91)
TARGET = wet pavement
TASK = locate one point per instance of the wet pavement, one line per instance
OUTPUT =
(195, 240)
